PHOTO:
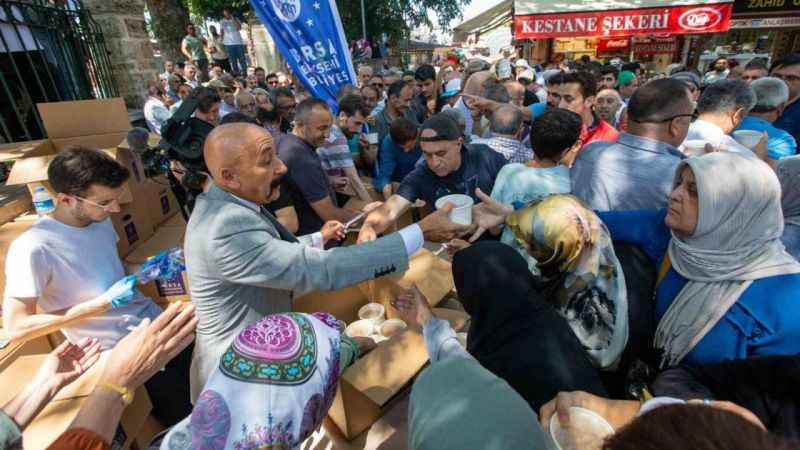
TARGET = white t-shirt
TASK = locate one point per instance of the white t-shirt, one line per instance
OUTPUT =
(63, 266)
(232, 36)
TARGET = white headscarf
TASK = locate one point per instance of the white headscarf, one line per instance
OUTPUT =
(789, 175)
(736, 241)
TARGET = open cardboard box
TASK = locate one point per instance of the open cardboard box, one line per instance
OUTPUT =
(56, 417)
(100, 124)
(368, 387)
(162, 292)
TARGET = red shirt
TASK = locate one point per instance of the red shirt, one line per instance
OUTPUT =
(599, 131)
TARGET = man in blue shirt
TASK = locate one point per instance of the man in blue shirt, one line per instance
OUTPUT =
(788, 70)
(638, 170)
(771, 96)
(397, 156)
(450, 167)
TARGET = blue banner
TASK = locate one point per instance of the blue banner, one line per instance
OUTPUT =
(309, 35)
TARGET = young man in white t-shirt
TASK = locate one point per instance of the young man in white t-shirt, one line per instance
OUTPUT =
(233, 42)
(68, 261)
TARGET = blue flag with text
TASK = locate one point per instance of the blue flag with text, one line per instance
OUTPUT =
(309, 35)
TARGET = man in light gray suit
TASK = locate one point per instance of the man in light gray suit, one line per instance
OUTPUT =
(243, 265)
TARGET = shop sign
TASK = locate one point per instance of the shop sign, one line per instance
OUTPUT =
(766, 22)
(762, 6)
(615, 45)
(655, 46)
(711, 18)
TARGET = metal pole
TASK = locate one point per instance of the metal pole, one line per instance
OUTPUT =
(363, 22)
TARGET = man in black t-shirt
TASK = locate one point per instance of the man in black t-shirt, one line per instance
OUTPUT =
(314, 199)
(450, 167)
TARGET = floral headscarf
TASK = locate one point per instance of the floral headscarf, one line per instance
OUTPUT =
(575, 256)
(273, 387)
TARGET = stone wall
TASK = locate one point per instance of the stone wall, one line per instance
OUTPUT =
(266, 52)
(128, 44)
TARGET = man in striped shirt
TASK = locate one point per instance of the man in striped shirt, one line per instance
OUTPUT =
(337, 161)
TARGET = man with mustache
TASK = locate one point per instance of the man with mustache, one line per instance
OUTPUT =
(243, 265)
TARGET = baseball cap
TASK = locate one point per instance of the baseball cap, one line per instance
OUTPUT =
(453, 87)
(625, 78)
(522, 63)
(687, 77)
(445, 127)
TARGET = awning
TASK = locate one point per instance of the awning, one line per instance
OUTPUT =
(535, 19)
(484, 22)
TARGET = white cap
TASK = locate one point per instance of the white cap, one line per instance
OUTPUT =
(522, 63)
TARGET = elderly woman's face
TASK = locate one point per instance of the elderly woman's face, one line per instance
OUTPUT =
(683, 206)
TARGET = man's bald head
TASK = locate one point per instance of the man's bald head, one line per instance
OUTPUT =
(516, 91)
(506, 121)
(609, 92)
(241, 158)
(474, 84)
(607, 103)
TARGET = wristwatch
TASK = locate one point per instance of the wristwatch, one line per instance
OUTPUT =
(125, 394)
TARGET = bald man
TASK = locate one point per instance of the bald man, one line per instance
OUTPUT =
(472, 86)
(516, 91)
(607, 105)
(243, 265)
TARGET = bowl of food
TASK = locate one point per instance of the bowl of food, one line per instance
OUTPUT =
(360, 328)
(586, 431)
(374, 312)
(391, 327)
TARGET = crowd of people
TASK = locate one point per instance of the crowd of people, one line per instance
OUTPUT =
(631, 253)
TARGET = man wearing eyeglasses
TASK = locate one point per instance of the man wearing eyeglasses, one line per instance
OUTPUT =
(788, 70)
(67, 263)
(636, 172)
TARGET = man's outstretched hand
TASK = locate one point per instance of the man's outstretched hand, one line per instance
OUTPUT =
(488, 214)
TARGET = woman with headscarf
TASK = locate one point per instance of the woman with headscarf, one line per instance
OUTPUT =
(519, 335)
(727, 287)
(272, 388)
(788, 171)
(456, 403)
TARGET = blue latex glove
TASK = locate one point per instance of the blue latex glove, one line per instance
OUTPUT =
(122, 292)
(163, 266)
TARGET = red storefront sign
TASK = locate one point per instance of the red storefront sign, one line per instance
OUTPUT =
(614, 45)
(712, 18)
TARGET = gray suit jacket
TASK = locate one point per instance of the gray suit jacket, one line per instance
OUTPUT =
(240, 271)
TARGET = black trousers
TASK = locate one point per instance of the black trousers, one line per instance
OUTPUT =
(169, 389)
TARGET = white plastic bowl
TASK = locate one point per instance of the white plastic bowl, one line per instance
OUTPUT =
(462, 213)
(748, 138)
(374, 312)
(361, 328)
(587, 430)
(391, 327)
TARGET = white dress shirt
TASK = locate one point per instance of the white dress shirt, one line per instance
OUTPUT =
(707, 131)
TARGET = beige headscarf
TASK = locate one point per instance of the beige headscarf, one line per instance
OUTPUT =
(737, 241)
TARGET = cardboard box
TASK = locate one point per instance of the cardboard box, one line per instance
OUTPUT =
(56, 417)
(99, 124)
(9, 232)
(175, 221)
(133, 227)
(368, 388)
(432, 275)
(161, 202)
(167, 291)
